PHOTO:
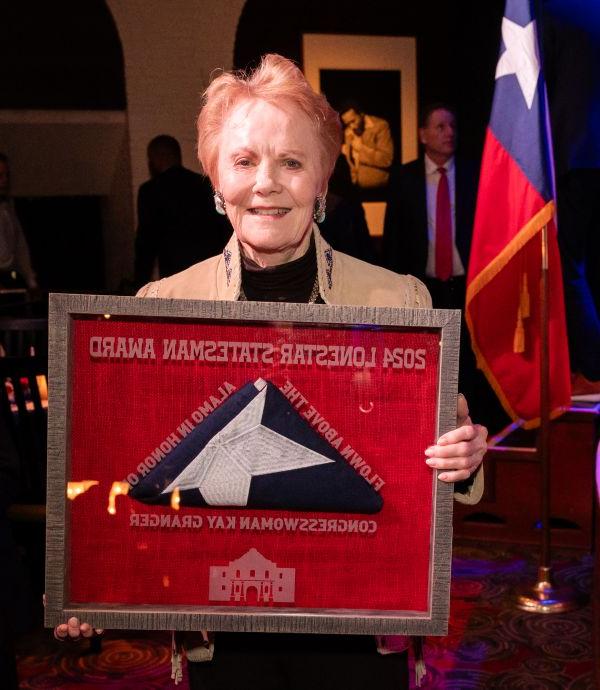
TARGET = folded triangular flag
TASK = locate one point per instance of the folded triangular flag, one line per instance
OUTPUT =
(256, 451)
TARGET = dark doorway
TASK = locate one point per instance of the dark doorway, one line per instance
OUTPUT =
(60, 56)
(65, 240)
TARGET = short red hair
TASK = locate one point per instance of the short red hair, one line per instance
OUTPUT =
(278, 81)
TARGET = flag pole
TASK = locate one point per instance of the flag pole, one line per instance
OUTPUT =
(543, 597)
(543, 436)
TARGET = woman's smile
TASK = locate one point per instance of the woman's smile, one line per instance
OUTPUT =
(269, 212)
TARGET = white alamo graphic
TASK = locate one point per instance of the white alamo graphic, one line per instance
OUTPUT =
(252, 571)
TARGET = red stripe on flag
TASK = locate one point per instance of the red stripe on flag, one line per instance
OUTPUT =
(506, 202)
(503, 294)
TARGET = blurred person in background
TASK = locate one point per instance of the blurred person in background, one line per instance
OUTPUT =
(15, 263)
(368, 146)
(177, 226)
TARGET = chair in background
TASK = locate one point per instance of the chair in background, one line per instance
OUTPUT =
(24, 400)
(23, 337)
(23, 404)
(23, 407)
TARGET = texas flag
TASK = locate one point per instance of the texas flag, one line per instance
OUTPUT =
(257, 451)
(515, 201)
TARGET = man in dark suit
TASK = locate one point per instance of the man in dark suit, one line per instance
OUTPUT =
(427, 233)
(177, 223)
(430, 209)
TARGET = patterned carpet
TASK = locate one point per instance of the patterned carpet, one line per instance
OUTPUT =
(126, 662)
(490, 643)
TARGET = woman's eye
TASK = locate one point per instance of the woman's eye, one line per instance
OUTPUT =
(243, 162)
(292, 163)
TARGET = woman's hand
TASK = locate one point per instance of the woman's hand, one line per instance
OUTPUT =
(459, 452)
(73, 631)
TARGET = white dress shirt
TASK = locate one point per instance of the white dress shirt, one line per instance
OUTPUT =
(432, 178)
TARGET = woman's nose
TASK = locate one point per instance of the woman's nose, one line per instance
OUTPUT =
(267, 180)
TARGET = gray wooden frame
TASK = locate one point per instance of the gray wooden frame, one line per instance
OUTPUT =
(58, 607)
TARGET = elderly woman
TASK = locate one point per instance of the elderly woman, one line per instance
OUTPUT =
(269, 144)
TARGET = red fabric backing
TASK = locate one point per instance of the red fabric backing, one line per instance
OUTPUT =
(122, 409)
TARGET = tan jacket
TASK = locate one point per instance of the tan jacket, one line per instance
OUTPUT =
(343, 280)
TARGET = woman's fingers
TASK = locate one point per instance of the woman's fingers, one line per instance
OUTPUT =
(462, 462)
(462, 410)
(454, 476)
(72, 630)
(68, 630)
(61, 631)
(463, 441)
(458, 453)
(467, 432)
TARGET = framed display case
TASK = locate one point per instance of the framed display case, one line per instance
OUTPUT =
(248, 466)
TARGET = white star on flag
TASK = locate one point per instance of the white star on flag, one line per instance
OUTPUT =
(243, 449)
(520, 57)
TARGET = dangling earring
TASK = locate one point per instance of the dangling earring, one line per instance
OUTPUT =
(319, 212)
(220, 204)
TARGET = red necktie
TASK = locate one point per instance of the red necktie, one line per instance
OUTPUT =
(443, 229)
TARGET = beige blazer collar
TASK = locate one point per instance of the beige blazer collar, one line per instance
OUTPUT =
(229, 269)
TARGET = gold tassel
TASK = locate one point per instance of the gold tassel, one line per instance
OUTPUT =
(176, 658)
(420, 672)
(519, 338)
(525, 298)
(420, 668)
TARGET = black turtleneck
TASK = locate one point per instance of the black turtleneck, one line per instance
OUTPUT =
(290, 282)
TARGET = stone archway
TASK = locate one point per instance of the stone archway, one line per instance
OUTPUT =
(64, 124)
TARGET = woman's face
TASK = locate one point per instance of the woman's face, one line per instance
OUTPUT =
(269, 173)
